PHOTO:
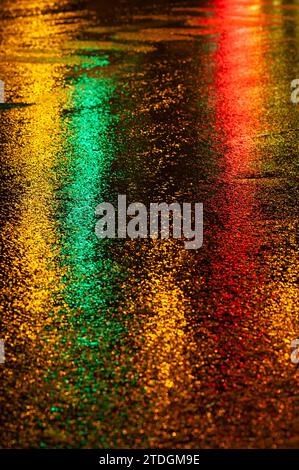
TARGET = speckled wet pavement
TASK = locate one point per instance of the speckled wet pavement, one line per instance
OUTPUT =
(142, 343)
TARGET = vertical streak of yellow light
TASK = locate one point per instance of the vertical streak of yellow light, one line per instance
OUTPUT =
(163, 342)
(32, 154)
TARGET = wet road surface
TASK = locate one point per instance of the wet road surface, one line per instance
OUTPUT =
(141, 343)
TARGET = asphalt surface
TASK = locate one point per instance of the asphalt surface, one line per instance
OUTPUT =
(141, 343)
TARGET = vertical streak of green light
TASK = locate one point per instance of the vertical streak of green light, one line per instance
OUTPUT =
(91, 154)
(91, 280)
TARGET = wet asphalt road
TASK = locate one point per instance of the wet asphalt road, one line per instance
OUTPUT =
(142, 343)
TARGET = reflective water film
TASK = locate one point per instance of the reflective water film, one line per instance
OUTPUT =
(131, 341)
